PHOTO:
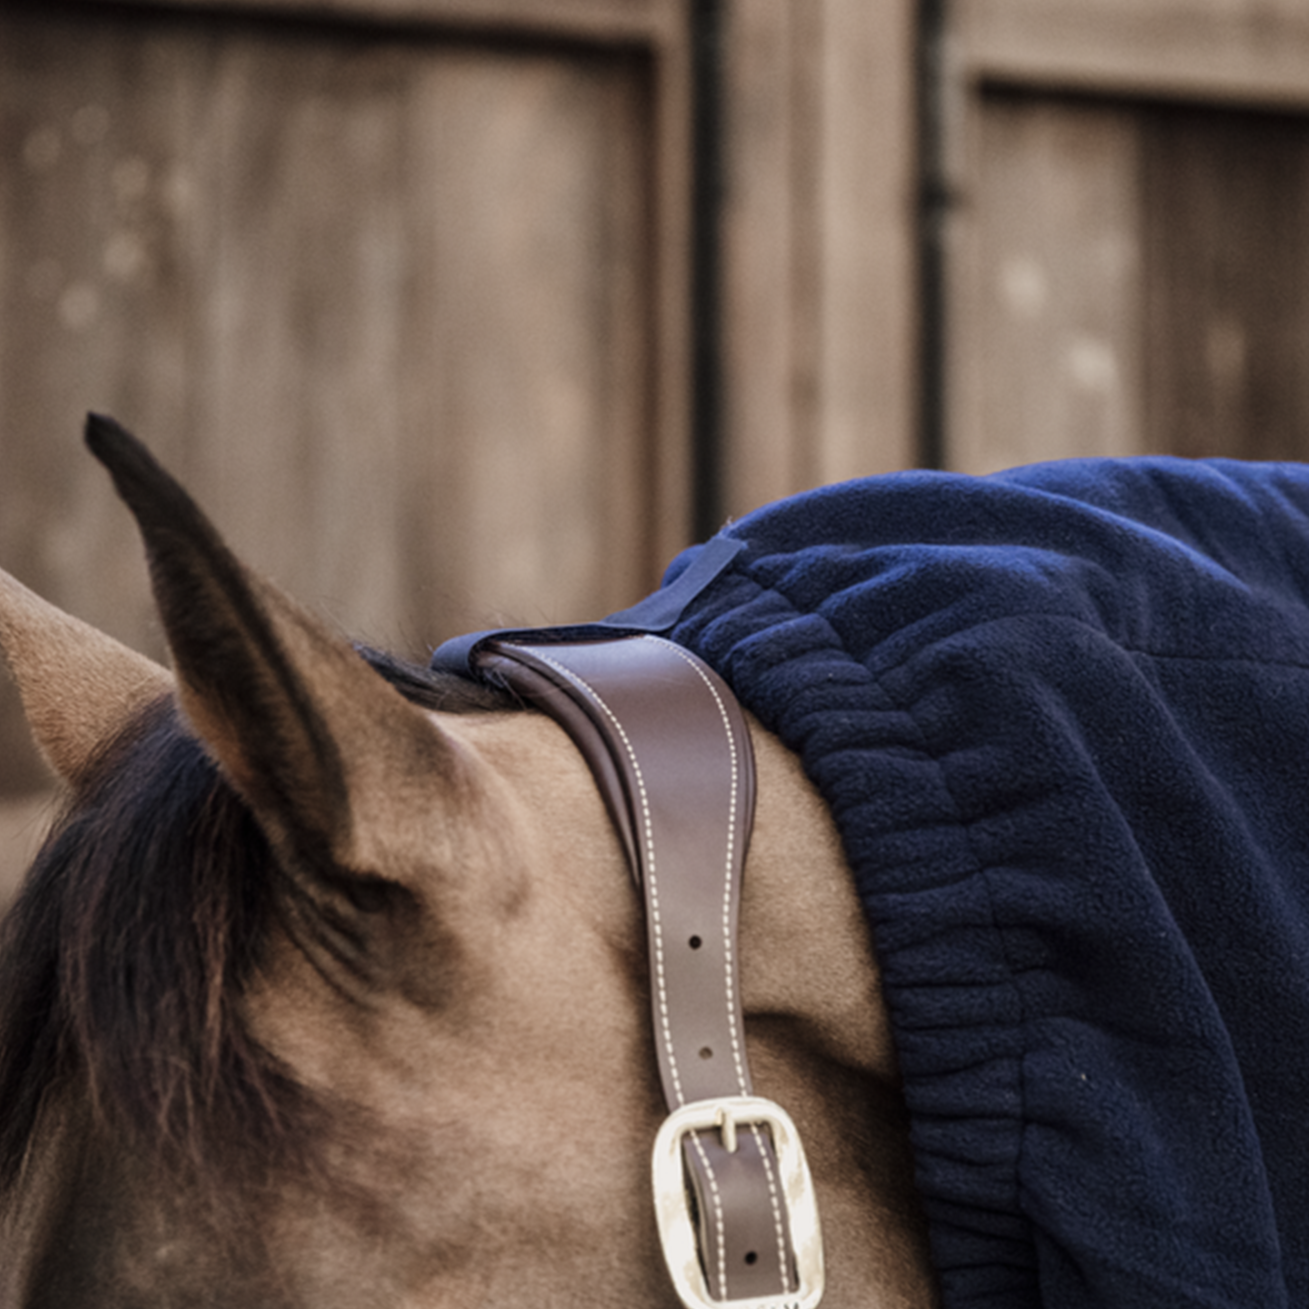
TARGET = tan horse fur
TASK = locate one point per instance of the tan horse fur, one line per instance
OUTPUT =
(52, 649)
(492, 1044)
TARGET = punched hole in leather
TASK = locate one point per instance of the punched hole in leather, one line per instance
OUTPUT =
(670, 751)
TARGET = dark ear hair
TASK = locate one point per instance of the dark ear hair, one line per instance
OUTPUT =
(319, 745)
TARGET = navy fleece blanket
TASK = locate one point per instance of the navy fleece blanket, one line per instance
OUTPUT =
(1061, 717)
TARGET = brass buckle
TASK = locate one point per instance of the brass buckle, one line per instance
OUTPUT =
(673, 1209)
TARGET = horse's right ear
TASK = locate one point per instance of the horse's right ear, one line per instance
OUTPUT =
(331, 759)
(79, 687)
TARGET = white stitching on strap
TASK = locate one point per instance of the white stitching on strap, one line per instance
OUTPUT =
(779, 1224)
(666, 1030)
(718, 1212)
(729, 868)
(728, 974)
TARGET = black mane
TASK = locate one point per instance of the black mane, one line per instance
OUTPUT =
(124, 957)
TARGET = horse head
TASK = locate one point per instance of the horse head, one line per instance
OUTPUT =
(330, 988)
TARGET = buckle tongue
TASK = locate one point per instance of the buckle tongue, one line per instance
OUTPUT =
(724, 1117)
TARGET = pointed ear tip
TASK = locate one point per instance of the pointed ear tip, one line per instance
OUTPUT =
(138, 477)
(103, 435)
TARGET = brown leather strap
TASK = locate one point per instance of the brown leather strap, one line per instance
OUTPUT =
(671, 754)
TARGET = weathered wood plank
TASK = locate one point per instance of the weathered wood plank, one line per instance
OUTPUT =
(1045, 295)
(819, 294)
(539, 381)
(760, 317)
(1186, 149)
(1130, 278)
(668, 208)
(1226, 209)
(868, 242)
(80, 259)
(639, 22)
(391, 306)
(1210, 50)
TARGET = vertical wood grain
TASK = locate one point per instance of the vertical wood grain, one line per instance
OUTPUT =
(1130, 277)
(392, 305)
(1234, 51)
(538, 372)
(1045, 330)
(760, 318)
(819, 295)
(1129, 265)
(1226, 218)
(867, 207)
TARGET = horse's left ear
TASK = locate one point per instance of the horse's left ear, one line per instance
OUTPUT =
(79, 687)
(316, 742)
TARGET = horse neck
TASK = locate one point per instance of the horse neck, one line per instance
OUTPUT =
(806, 951)
(91, 1226)
(820, 1038)
(31, 1218)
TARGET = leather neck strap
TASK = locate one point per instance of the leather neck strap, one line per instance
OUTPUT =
(671, 754)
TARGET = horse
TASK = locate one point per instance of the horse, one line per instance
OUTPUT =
(329, 986)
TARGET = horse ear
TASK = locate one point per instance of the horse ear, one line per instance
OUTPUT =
(303, 728)
(79, 687)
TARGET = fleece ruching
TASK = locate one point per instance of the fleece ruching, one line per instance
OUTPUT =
(1061, 717)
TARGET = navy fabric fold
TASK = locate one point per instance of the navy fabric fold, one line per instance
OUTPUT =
(1061, 718)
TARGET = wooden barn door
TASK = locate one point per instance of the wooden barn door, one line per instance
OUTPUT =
(402, 296)
(1128, 242)
(820, 318)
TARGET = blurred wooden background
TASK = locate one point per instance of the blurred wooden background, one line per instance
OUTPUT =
(1126, 243)
(463, 312)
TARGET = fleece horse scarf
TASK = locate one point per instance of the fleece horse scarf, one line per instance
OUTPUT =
(1061, 717)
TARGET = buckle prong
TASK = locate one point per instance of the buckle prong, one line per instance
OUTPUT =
(727, 1127)
(677, 1227)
